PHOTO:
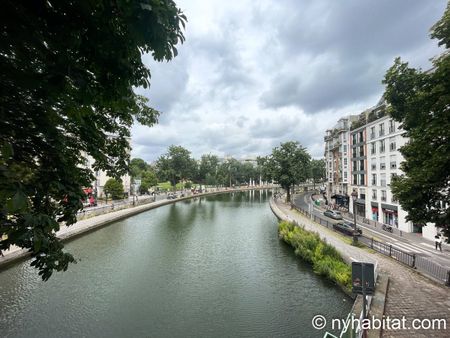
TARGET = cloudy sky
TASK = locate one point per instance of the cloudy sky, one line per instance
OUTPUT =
(252, 74)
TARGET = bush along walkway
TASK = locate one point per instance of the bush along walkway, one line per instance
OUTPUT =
(410, 295)
(325, 259)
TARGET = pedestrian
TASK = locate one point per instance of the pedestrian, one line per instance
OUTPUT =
(436, 241)
(439, 242)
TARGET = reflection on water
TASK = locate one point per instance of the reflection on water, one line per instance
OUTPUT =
(208, 267)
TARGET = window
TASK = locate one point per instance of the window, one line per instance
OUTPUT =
(355, 179)
(383, 195)
(372, 133)
(383, 180)
(361, 165)
(373, 163)
(392, 145)
(373, 148)
(345, 148)
(391, 126)
(354, 153)
(361, 151)
(374, 194)
(361, 137)
(354, 166)
(381, 129)
(361, 179)
(374, 179)
(354, 139)
(382, 163)
(393, 162)
(345, 174)
(382, 146)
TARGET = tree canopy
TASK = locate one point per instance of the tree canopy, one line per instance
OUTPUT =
(176, 165)
(67, 72)
(421, 102)
(318, 170)
(289, 164)
(114, 189)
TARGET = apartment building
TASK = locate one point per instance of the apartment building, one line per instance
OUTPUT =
(101, 177)
(337, 161)
(375, 140)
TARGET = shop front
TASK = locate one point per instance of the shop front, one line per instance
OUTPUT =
(375, 211)
(390, 214)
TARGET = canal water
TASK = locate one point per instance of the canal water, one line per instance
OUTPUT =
(210, 267)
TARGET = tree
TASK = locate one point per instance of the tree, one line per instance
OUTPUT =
(208, 169)
(148, 178)
(114, 189)
(176, 165)
(288, 165)
(137, 166)
(67, 74)
(421, 102)
(318, 171)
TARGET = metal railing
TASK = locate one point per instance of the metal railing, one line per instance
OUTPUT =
(422, 264)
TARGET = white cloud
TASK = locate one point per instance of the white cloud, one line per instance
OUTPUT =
(253, 74)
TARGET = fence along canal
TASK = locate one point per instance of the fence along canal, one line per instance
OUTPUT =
(422, 264)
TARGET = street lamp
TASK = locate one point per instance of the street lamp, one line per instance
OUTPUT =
(354, 197)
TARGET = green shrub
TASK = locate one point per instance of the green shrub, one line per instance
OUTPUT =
(325, 259)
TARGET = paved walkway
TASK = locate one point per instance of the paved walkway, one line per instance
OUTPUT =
(410, 294)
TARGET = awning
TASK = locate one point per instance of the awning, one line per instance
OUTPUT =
(389, 207)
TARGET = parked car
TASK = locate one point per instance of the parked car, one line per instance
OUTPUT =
(171, 196)
(333, 214)
(347, 228)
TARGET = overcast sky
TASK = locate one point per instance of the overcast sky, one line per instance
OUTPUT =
(252, 74)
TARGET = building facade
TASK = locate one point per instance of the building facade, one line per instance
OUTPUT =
(101, 178)
(362, 155)
(337, 161)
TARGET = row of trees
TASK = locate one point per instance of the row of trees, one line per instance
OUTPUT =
(177, 165)
(289, 164)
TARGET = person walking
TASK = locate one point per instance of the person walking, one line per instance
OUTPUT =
(436, 242)
(439, 243)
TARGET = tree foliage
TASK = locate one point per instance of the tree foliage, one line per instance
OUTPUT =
(289, 164)
(317, 170)
(207, 170)
(176, 165)
(421, 102)
(114, 189)
(148, 178)
(137, 166)
(67, 71)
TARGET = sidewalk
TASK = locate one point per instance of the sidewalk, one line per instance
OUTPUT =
(409, 294)
(416, 238)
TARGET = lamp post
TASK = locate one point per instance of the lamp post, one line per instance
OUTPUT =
(354, 196)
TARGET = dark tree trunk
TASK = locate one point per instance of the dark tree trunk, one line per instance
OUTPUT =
(288, 195)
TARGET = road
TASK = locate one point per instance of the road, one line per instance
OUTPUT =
(414, 245)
